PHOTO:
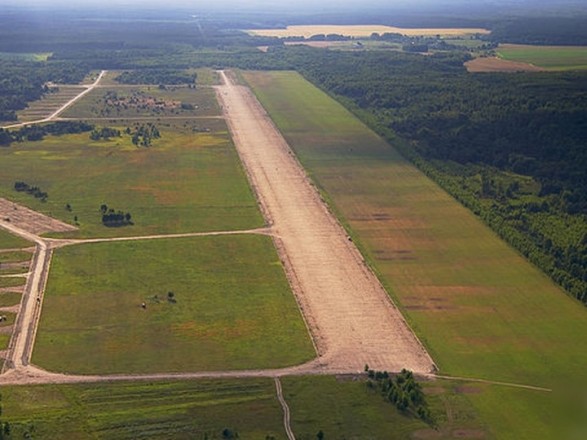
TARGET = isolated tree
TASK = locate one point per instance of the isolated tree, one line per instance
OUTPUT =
(320, 435)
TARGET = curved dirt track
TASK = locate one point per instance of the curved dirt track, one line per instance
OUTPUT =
(350, 316)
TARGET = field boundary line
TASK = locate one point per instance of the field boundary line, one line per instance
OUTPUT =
(286, 413)
(489, 382)
(62, 242)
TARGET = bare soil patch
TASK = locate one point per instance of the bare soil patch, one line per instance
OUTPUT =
(350, 316)
(495, 64)
(31, 221)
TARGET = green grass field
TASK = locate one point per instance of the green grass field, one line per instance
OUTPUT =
(479, 307)
(161, 410)
(187, 181)
(8, 299)
(9, 241)
(548, 57)
(341, 407)
(12, 281)
(344, 407)
(234, 308)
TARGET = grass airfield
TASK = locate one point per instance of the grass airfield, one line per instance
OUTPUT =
(480, 308)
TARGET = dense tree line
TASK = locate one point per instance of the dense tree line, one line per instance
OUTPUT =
(33, 190)
(402, 390)
(553, 30)
(157, 76)
(37, 132)
(491, 128)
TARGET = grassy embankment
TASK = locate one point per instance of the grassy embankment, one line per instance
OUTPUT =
(548, 57)
(480, 308)
(232, 308)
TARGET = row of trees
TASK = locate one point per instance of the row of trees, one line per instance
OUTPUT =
(37, 132)
(143, 134)
(104, 133)
(115, 219)
(157, 76)
(403, 391)
(34, 191)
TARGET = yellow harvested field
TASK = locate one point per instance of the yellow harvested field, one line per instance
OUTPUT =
(495, 64)
(360, 31)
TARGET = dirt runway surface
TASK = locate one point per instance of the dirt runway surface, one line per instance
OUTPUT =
(350, 316)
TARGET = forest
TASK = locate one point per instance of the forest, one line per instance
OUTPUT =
(157, 76)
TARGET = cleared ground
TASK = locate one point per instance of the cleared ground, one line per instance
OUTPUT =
(31, 221)
(547, 57)
(361, 31)
(349, 313)
(231, 308)
(481, 309)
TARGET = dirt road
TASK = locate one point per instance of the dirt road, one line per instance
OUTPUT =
(350, 316)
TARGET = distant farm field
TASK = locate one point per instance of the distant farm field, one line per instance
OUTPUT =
(189, 180)
(159, 410)
(231, 308)
(548, 57)
(480, 308)
(360, 31)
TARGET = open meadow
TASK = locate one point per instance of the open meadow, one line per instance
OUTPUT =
(188, 180)
(230, 308)
(547, 57)
(480, 308)
(361, 31)
(202, 409)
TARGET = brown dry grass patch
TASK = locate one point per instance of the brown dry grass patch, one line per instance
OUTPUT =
(495, 64)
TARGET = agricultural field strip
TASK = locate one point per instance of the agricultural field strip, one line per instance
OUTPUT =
(286, 414)
(68, 104)
(341, 300)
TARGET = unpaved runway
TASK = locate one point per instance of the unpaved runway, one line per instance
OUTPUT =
(350, 316)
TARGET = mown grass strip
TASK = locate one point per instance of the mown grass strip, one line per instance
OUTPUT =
(230, 308)
(481, 309)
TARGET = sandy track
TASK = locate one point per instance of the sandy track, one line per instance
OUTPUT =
(350, 316)
(28, 220)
